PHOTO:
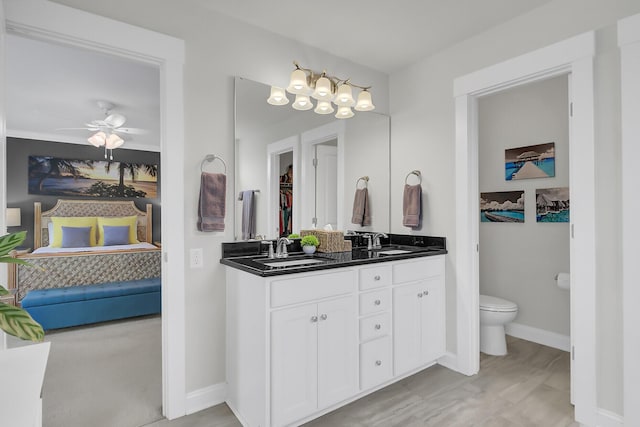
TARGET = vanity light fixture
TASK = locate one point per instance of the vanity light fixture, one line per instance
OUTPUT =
(325, 89)
(109, 142)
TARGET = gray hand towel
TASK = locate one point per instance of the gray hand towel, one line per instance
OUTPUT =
(248, 214)
(361, 210)
(212, 203)
(412, 206)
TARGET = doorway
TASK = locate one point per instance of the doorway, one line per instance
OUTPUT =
(68, 26)
(574, 57)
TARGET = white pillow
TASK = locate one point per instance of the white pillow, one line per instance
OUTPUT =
(50, 228)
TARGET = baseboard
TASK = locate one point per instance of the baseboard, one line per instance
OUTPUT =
(206, 397)
(540, 336)
(609, 419)
(449, 361)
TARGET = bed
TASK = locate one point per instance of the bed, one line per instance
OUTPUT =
(87, 284)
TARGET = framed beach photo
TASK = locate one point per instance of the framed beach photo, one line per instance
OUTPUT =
(552, 204)
(502, 206)
(532, 161)
(53, 176)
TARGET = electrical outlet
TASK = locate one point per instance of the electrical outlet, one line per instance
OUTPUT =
(196, 258)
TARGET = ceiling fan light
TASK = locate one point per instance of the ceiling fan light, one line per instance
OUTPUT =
(277, 96)
(323, 90)
(344, 96)
(298, 83)
(344, 113)
(364, 102)
(98, 139)
(324, 107)
(302, 103)
(113, 141)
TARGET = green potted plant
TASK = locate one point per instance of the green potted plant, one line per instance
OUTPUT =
(309, 244)
(14, 320)
(293, 236)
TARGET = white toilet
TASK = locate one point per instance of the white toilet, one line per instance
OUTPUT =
(494, 314)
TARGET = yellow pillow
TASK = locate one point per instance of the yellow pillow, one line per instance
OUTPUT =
(131, 221)
(72, 221)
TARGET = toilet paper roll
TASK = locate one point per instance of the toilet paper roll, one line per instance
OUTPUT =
(563, 281)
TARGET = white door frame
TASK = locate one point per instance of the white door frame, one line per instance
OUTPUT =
(334, 130)
(573, 56)
(53, 22)
(274, 150)
(629, 43)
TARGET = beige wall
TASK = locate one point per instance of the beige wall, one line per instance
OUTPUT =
(423, 138)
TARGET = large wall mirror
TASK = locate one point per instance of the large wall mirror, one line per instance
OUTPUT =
(303, 168)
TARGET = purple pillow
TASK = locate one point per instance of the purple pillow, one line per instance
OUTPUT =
(116, 235)
(76, 237)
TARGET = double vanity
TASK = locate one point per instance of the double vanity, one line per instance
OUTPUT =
(307, 334)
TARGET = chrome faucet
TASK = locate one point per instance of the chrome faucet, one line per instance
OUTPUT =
(281, 247)
(376, 240)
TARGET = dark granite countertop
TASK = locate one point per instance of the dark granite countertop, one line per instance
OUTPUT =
(246, 256)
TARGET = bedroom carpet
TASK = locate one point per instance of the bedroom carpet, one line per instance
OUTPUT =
(104, 375)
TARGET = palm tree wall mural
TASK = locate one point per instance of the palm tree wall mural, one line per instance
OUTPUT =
(52, 176)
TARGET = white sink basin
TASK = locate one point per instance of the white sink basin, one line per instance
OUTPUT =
(394, 252)
(293, 262)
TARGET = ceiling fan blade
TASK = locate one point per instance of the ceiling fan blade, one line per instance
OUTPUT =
(87, 128)
(132, 131)
(115, 120)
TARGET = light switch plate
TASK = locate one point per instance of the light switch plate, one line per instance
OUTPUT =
(196, 258)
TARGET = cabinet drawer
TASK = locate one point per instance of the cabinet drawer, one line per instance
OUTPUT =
(375, 362)
(375, 326)
(418, 269)
(312, 287)
(375, 277)
(375, 301)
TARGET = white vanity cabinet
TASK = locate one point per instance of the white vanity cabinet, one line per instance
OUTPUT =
(418, 313)
(313, 358)
(300, 345)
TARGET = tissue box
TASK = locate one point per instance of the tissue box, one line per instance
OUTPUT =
(330, 241)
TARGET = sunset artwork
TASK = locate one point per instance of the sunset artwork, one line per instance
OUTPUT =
(52, 176)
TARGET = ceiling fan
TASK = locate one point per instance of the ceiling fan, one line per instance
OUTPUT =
(107, 129)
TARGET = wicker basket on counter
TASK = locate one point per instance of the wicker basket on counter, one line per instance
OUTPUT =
(330, 241)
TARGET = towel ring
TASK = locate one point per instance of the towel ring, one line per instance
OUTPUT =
(365, 179)
(416, 173)
(210, 158)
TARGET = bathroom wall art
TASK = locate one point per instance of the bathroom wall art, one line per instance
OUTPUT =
(532, 161)
(502, 206)
(552, 204)
(54, 176)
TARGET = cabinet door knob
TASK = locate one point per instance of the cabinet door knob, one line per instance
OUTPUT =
(314, 319)
(378, 362)
(425, 293)
(323, 317)
(378, 326)
(376, 278)
(377, 302)
(420, 295)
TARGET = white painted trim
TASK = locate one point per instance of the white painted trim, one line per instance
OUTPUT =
(206, 397)
(540, 336)
(449, 361)
(274, 150)
(334, 130)
(3, 138)
(629, 42)
(50, 21)
(610, 419)
(43, 136)
(574, 56)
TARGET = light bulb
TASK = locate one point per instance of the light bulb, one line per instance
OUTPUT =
(344, 97)
(302, 103)
(298, 83)
(364, 102)
(98, 139)
(324, 107)
(323, 90)
(344, 113)
(277, 96)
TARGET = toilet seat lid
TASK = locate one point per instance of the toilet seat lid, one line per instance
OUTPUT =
(490, 303)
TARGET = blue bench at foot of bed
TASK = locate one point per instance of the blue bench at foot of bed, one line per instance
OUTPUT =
(81, 305)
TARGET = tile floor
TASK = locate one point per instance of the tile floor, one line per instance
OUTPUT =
(528, 387)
